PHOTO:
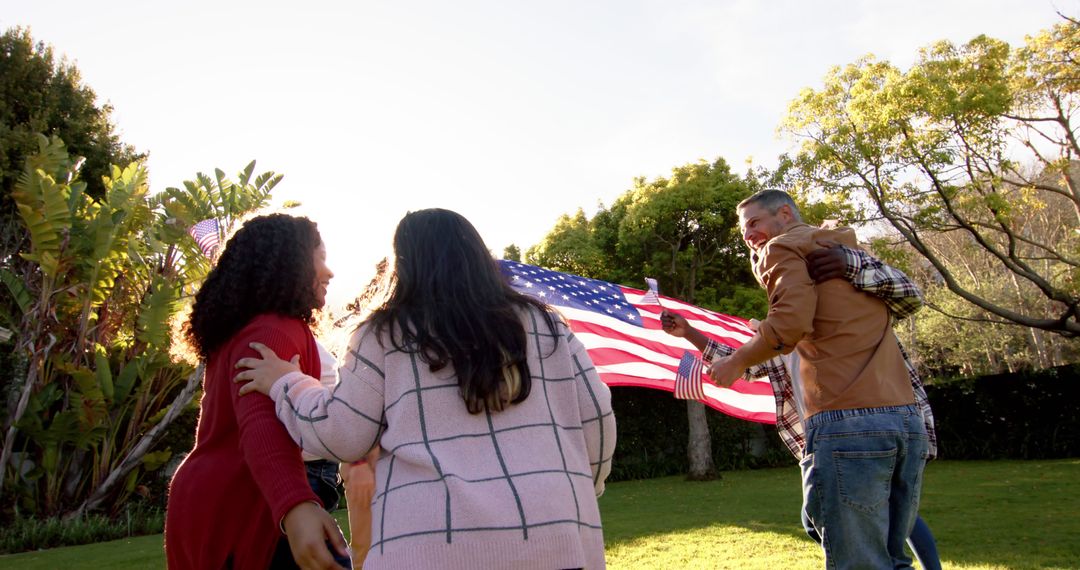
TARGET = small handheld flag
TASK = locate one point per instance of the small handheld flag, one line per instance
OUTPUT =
(207, 234)
(688, 378)
(652, 296)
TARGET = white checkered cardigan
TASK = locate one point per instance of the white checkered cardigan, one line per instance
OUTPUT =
(513, 489)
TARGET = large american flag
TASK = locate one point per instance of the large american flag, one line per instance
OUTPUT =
(627, 344)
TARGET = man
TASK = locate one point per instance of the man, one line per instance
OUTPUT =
(868, 275)
(865, 439)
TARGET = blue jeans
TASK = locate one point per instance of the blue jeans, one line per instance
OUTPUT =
(921, 542)
(862, 475)
(324, 480)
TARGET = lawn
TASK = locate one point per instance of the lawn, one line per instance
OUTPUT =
(985, 514)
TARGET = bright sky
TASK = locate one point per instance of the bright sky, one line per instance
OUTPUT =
(506, 111)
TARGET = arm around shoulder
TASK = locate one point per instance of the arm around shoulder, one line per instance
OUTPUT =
(343, 423)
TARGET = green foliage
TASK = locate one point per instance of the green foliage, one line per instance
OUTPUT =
(108, 275)
(746, 302)
(39, 94)
(653, 432)
(1024, 415)
(25, 534)
(969, 156)
(18, 292)
(680, 230)
(512, 252)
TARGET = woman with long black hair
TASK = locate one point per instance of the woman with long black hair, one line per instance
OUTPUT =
(496, 431)
(244, 482)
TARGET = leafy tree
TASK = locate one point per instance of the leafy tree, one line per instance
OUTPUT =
(680, 230)
(974, 141)
(104, 278)
(39, 94)
(571, 247)
(512, 253)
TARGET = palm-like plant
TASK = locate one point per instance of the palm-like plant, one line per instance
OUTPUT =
(107, 277)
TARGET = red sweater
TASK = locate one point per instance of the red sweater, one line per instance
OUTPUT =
(245, 472)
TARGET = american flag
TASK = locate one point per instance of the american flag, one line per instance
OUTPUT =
(628, 345)
(688, 378)
(652, 296)
(207, 234)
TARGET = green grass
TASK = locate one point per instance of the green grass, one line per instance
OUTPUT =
(985, 514)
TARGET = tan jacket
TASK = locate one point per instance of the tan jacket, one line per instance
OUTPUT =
(849, 355)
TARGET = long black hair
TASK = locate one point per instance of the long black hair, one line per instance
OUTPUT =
(449, 303)
(267, 267)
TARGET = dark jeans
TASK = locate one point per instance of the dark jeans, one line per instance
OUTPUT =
(324, 480)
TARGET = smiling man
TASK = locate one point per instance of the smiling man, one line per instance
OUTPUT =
(866, 444)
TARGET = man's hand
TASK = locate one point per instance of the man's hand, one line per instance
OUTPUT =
(725, 371)
(829, 262)
(309, 529)
(674, 324)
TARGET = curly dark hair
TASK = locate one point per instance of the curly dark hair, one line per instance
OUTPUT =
(449, 303)
(267, 267)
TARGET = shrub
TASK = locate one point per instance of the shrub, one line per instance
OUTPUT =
(1024, 415)
(25, 534)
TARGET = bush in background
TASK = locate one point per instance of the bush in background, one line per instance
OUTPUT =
(1024, 415)
(652, 435)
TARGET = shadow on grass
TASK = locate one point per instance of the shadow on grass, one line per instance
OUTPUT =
(985, 514)
(989, 514)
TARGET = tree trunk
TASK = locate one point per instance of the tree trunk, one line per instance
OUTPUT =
(699, 444)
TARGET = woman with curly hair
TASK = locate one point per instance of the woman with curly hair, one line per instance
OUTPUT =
(496, 432)
(244, 482)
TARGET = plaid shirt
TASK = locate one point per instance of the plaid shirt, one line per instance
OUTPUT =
(869, 275)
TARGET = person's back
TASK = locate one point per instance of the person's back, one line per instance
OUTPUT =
(508, 489)
(215, 502)
(495, 428)
(244, 483)
(865, 438)
(849, 357)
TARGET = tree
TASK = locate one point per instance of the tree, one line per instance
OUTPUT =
(512, 252)
(103, 279)
(681, 230)
(571, 247)
(41, 95)
(977, 141)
